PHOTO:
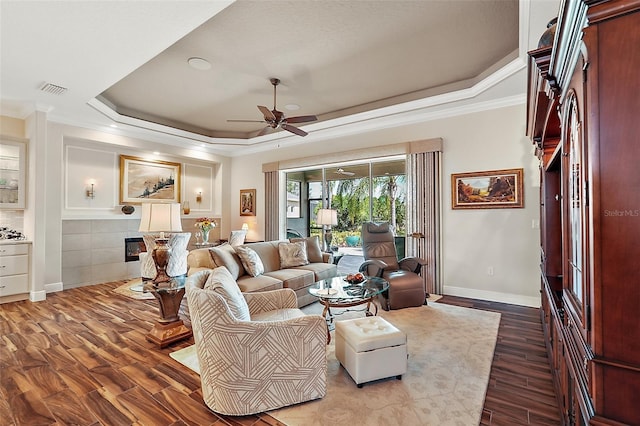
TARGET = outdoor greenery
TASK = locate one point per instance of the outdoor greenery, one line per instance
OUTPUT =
(351, 200)
(350, 195)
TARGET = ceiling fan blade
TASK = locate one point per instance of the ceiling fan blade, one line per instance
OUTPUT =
(268, 115)
(245, 121)
(264, 131)
(302, 119)
(342, 171)
(293, 129)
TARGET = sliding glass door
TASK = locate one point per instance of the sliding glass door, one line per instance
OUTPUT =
(359, 192)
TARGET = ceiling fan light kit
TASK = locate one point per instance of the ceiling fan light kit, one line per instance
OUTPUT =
(275, 118)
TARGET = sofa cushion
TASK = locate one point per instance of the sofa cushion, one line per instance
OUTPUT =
(200, 258)
(293, 278)
(268, 252)
(225, 255)
(249, 284)
(322, 271)
(250, 260)
(220, 281)
(278, 315)
(314, 253)
(293, 254)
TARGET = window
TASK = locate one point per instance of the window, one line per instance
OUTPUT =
(293, 199)
(372, 190)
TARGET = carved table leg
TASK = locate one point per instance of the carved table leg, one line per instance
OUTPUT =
(169, 328)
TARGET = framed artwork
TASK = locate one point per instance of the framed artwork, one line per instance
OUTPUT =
(247, 202)
(293, 199)
(148, 180)
(495, 189)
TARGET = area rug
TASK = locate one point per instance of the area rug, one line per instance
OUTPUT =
(450, 355)
(125, 290)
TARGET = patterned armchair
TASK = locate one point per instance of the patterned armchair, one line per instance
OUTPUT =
(257, 351)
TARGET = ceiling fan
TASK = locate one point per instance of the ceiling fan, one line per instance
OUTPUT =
(341, 171)
(275, 118)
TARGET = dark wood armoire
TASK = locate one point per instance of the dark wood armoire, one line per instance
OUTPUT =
(583, 115)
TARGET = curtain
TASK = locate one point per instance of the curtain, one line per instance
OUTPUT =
(271, 205)
(423, 215)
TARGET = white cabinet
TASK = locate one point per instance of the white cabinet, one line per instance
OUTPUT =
(15, 258)
(13, 179)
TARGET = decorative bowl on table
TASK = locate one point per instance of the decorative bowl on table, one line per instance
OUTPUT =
(354, 278)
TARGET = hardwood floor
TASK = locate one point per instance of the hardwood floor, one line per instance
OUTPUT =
(81, 357)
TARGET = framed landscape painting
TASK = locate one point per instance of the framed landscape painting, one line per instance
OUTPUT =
(247, 202)
(495, 189)
(148, 180)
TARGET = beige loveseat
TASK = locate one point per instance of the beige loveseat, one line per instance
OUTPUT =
(297, 278)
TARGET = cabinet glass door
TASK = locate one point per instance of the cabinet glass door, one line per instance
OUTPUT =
(12, 174)
(575, 205)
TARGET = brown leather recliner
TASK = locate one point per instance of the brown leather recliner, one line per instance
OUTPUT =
(406, 287)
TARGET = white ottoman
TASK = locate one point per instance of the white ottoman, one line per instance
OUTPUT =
(370, 349)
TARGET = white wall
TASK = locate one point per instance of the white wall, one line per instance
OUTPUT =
(63, 157)
(505, 241)
(474, 240)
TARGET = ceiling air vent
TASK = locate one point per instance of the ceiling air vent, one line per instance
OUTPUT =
(53, 89)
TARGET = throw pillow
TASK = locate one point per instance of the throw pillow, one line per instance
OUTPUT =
(225, 255)
(220, 281)
(314, 252)
(293, 254)
(237, 238)
(250, 260)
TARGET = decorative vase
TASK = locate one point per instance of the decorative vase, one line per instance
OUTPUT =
(205, 236)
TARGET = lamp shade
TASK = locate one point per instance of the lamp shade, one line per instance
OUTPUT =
(327, 217)
(160, 218)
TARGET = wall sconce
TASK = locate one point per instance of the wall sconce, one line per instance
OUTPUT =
(245, 227)
(199, 197)
(90, 191)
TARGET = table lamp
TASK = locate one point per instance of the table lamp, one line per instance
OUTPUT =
(327, 217)
(161, 218)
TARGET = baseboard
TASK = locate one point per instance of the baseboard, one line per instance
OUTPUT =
(493, 296)
(53, 287)
(38, 296)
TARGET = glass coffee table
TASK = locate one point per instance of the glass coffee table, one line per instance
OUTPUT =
(338, 293)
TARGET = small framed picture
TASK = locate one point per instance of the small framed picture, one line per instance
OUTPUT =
(247, 202)
(148, 180)
(495, 189)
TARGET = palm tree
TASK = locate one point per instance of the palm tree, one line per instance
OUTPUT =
(351, 199)
(389, 186)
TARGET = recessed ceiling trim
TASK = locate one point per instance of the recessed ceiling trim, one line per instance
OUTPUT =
(103, 108)
(491, 80)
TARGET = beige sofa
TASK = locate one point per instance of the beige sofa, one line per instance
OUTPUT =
(297, 278)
